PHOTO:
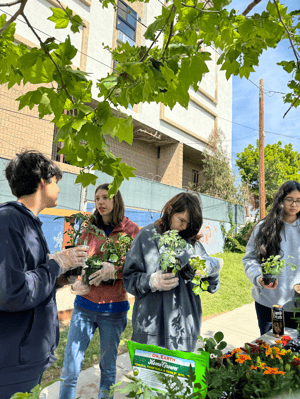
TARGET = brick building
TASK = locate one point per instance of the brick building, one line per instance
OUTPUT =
(167, 145)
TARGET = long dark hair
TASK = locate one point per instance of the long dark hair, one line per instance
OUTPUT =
(267, 240)
(180, 203)
(117, 212)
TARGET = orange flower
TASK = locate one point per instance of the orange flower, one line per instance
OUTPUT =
(278, 341)
(242, 358)
(226, 356)
(262, 365)
(236, 350)
(274, 370)
(253, 367)
(275, 351)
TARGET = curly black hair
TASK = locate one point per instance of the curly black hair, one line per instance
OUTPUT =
(24, 173)
(267, 240)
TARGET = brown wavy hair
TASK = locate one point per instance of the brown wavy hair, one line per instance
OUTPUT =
(118, 211)
(180, 203)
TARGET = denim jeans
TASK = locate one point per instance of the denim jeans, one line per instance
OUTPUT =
(7, 391)
(82, 328)
(264, 318)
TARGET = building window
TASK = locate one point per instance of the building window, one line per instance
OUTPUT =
(55, 149)
(126, 23)
(195, 177)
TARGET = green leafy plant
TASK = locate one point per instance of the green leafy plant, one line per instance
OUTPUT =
(254, 371)
(273, 265)
(34, 393)
(198, 265)
(78, 222)
(115, 250)
(170, 245)
(235, 241)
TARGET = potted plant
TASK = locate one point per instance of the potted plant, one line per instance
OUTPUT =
(114, 251)
(78, 222)
(272, 267)
(170, 245)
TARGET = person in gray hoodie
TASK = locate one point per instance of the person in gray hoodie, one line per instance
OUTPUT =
(277, 234)
(166, 311)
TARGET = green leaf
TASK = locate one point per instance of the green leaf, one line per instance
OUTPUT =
(218, 336)
(60, 18)
(85, 179)
(154, 27)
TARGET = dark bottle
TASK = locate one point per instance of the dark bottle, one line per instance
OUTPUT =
(277, 320)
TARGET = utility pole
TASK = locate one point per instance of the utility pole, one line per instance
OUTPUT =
(261, 151)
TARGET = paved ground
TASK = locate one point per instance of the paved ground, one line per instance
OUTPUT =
(239, 326)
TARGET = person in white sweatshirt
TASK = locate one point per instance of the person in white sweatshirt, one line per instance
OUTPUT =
(277, 234)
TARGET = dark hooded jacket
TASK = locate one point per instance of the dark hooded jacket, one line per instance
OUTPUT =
(28, 315)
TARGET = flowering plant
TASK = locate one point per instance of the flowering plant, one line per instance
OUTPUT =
(254, 371)
(115, 250)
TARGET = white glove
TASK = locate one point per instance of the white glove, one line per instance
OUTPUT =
(106, 273)
(160, 281)
(79, 288)
(70, 258)
(72, 279)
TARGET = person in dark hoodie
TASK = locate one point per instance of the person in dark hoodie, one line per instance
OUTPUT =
(166, 311)
(28, 316)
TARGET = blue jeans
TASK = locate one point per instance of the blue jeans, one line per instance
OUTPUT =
(82, 328)
(264, 318)
(7, 391)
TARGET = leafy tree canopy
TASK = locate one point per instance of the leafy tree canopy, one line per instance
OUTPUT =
(281, 164)
(155, 73)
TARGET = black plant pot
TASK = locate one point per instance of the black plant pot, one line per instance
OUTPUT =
(73, 272)
(268, 279)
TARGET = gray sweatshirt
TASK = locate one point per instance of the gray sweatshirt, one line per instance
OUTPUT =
(170, 319)
(283, 294)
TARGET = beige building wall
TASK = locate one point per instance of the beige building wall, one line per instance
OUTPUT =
(170, 164)
(140, 155)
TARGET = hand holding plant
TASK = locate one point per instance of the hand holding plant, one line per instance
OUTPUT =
(173, 245)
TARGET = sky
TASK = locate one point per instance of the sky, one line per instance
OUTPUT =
(245, 96)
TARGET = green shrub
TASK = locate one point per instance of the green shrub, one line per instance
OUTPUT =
(236, 242)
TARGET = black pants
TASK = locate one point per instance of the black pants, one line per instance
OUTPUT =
(264, 318)
(7, 391)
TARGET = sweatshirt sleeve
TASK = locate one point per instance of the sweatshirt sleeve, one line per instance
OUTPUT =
(136, 273)
(22, 289)
(251, 261)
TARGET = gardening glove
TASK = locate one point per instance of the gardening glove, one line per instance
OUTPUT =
(79, 288)
(160, 281)
(72, 279)
(107, 272)
(70, 258)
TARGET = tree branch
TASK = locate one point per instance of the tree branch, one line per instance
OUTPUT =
(199, 9)
(293, 103)
(10, 4)
(288, 33)
(49, 55)
(15, 16)
(169, 39)
(250, 6)
(173, 8)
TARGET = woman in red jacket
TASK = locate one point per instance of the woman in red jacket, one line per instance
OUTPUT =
(99, 305)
